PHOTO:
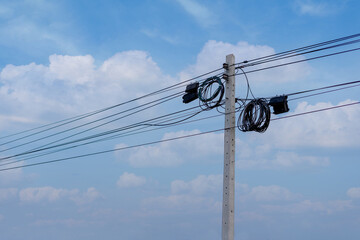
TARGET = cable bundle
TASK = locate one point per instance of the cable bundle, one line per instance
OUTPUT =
(208, 96)
(255, 116)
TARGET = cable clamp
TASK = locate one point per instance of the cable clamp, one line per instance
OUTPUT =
(226, 66)
(225, 76)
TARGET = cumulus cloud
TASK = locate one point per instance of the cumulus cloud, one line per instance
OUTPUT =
(174, 153)
(212, 56)
(127, 180)
(333, 128)
(73, 84)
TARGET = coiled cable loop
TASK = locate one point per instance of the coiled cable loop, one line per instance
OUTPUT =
(208, 96)
(255, 116)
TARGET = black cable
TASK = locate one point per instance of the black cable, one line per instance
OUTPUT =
(299, 61)
(314, 111)
(298, 54)
(315, 94)
(160, 141)
(255, 116)
(296, 50)
(82, 116)
(208, 97)
(141, 123)
(111, 150)
(82, 125)
(129, 133)
(321, 88)
(162, 100)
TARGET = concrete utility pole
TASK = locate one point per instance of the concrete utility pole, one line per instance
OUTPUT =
(229, 152)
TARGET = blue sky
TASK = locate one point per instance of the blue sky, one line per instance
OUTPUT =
(298, 180)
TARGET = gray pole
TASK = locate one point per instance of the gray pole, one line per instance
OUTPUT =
(229, 152)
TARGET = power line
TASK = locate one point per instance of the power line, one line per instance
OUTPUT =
(111, 150)
(297, 50)
(299, 61)
(134, 125)
(129, 133)
(82, 116)
(165, 140)
(162, 100)
(314, 111)
(315, 94)
(299, 54)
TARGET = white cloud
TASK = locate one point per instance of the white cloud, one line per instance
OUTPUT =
(201, 13)
(174, 153)
(128, 180)
(272, 193)
(73, 84)
(354, 193)
(7, 193)
(212, 56)
(322, 8)
(333, 128)
(50, 194)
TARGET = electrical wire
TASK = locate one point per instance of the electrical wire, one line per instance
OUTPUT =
(299, 61)
(297, 50)
(255, 116)
(82, 116)
(299, 54)
(320, 93)
(129, 133)
(160, 141)
(157, 102)
(131, 126)
(109, 151)
(208, 97)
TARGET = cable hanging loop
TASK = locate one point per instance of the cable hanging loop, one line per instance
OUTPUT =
(208, 96)
(255, 116)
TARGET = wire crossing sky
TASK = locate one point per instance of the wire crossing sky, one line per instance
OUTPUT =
(95, 88)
